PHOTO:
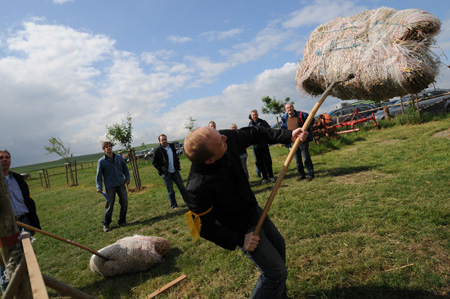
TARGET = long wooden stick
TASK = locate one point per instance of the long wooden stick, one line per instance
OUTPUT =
(34, 272)
(61, 239)
(170, 284)
(289, 159)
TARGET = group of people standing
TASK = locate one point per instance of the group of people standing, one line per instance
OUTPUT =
(113, 172)
(222, 206)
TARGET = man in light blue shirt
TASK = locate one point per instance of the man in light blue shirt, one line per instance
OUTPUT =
(23, 205)
(114, 171)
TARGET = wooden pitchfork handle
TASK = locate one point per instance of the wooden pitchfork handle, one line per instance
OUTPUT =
(61, 239)
(289, 158)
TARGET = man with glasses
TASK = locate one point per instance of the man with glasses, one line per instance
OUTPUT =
(115, 175)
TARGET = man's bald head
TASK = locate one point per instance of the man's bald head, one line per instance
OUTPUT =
(196, 147)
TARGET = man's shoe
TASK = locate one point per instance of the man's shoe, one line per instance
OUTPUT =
(263, 182)
(123, 224)
(105, 228)
(310, 178)
(175, 208)
(300, 178)
(272, 180)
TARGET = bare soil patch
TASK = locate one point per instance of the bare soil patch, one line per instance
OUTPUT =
(443, 134)
(360, 177)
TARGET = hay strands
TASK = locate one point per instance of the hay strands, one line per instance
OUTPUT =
(61, 239)
(169, 285)
(292, 153)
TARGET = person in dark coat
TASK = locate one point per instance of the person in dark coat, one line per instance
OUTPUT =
(23, 205)
(261, 151)
(168, 165)
(223, 207)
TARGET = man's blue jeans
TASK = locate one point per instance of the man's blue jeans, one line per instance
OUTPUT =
(303, 150)
(123, 201)
(169, 179)
(270, 258)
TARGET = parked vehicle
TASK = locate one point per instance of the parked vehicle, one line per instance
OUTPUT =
(433, 102)
(363, 109)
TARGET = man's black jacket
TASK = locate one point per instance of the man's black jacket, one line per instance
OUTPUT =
(29, 202)
(224, 186)
(161, 159)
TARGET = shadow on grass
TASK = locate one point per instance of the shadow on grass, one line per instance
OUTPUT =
(335, 172)
(170, 214)
(121, 286)
(372, 292)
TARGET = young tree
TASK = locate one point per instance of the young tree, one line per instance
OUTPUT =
(272, 106)
(190, 124)
(57, 146)
(122, 134)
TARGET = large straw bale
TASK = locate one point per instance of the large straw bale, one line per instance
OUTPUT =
(130, 254)
(386, 50)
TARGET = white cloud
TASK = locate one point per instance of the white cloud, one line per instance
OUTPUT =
(61, 1)
(265, 41)
(236, 102)
(322, 11)
(221, 35)
(179, 39)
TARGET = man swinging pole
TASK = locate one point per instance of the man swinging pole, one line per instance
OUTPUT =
(223, 208)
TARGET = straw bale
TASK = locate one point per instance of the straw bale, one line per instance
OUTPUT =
(130, 254)
(386, 50)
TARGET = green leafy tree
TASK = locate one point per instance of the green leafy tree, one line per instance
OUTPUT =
(122, 133)
(190, 123)
(56, 145)
(273, 106)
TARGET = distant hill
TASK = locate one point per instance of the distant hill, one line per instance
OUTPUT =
(79, 159)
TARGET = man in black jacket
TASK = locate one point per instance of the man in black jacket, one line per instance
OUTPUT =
(223, 208)
(261, 151)
(21, 201)
(167, 163)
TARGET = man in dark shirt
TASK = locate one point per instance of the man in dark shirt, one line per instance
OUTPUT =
(223, 208)
(168, 165)
(112, 169)
(261, 151)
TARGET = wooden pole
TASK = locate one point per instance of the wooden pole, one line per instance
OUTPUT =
(34, 272)
(62, 239)
(289, 159)
(64, 288)
(169, 285)
(401, 104)
(18, 276)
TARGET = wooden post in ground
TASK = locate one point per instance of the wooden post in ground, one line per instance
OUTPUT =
(417, 104)
(9, 234)
(401, 105)
(386, 113)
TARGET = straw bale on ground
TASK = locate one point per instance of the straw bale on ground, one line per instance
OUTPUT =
(130, 254)
(386, 50)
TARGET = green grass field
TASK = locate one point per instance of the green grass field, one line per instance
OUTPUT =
(373, 224)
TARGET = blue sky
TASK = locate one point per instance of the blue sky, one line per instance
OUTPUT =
(70, 68)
